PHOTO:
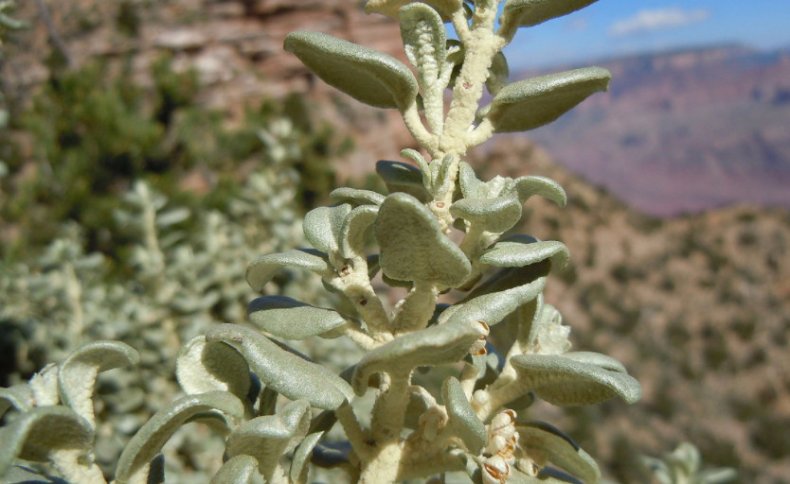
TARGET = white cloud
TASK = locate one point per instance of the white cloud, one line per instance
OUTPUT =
(649, 20)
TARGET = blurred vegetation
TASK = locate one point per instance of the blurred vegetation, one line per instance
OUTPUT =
(91, 132)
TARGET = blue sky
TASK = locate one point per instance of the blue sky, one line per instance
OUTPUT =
(614, 27)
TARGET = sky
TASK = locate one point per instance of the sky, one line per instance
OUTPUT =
(610, 28)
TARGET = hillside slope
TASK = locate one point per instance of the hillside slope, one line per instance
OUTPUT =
(697, 308)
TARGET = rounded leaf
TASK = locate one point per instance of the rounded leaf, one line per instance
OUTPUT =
(203, 367)
(527, 13)
(561, 380)
(355, 196)
(269, 437)
(517, 254)
(424, 38)
(435, 345)
(497, 215)
(365, 74)
(291, 319)
(462, 417)
(413, 245)
(543, 439)
(77, 374)
(526, 186)
(357, 230)
(534, 102)
(282, 371)
(402, 177)
(18, 397)
(322, 226)
(37, 434)
(301, 458)
(263, 269)
(241, 469)
(154, 434)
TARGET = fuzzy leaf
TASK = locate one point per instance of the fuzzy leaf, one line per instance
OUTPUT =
(424, 41)
(545, 440)
(517, 254)
(497, 215)
(497, 74)
(322, 226)
(356, 196)
(269, 437)
(547, 188)
(38, 434)
(413, 246)
(262, 269)
(527, 13)
(462, 418)
(301, 458)
(561, 380)
(288, 318)
(242, 469)
(77, 374)
(365, 74)
(203, 367)
(283, 371)
(18, 397)
(534, 102)
(436, 345)
(402, 177)
(154, 434)
(357, 230)
(391, 8)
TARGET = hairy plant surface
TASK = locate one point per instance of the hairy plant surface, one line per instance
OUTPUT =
(448, 372)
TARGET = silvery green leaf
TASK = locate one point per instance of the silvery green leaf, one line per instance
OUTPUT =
(564, 381)
(77, 374)
(283, 371)
(171, 217)
(288, 318)
(262, 269)
(544, 440)
(241, 469)
(357, 230)
(497, 74)
(461, 416)
(322, 226)
(492, 307)
(413, 246)
(18, 397)
(44, 385)
(203, 367)
(419, 403)
(538, 185)
(435, 345)
(517, 254)
(598, 359)
(301, 458)
(534, 102)
(471, 186)
(391, 8)
(270, 437)
(365, 74)
(402, 177)
(154, 434)
(424, 41)
(527, 13)
(38, 434)
(441, 181)
(497, 215)
(356, 196)
(424, 167)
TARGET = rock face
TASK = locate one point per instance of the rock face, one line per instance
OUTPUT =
(685, 131)
(235, 46)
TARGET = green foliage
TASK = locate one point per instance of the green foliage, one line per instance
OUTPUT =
(438, 229)
(97, 132)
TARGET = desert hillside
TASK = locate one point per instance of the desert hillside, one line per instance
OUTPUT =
(698, 307)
